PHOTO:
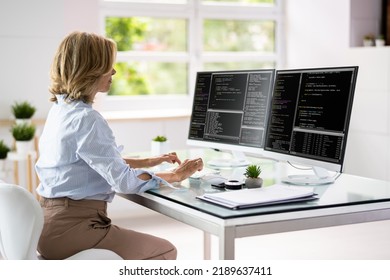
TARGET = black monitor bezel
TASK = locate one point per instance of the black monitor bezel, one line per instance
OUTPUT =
(299, 159)
(224, 146)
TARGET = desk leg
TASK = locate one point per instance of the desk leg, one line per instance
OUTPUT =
(29, 175)
(206, 246)
(226, 244)
(16, 172)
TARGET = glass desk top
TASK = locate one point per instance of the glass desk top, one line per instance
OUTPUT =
(347, 190)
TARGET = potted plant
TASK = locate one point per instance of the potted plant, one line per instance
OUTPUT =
(23, 135)
(23, 111)
(368, 40)
(160, 138)
(160, 145)
(4, 149)
(380, 40)
(252, 173)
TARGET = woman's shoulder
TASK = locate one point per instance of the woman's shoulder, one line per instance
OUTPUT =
(94, 117)
(88, 117)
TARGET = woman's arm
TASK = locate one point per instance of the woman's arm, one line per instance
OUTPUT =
(183, 171)
(152, 161)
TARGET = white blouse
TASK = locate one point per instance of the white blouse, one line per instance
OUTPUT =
(80, 159)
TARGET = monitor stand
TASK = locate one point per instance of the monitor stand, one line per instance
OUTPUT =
(238, 159)
(321, 177)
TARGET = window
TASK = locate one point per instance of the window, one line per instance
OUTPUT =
(162, 44)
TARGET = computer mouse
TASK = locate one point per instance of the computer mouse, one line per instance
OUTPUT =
(213, 179)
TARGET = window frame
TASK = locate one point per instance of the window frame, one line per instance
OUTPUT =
(194, 12)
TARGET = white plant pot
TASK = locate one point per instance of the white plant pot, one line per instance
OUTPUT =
(2, 165)
(368, 43)
(24, 147)
(379, 42)
(23, 121)
(159, 148)
(252, 183)
(3, 173)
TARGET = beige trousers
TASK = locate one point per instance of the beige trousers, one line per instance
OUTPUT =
(75, 225)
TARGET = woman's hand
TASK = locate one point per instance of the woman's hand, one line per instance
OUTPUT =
(170, 158)
(183, 171)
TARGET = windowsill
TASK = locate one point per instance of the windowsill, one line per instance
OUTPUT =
(146, 114)
(133, 115)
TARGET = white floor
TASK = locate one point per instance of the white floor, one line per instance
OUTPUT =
(360, 241)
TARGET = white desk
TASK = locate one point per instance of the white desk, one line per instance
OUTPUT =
(350, 200)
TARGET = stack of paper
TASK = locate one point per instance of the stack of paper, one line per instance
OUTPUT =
(274, 194)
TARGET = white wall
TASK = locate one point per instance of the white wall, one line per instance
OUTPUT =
(365, 19)
(30, 32)
(318, 34)
(136, 136)
(369, 145)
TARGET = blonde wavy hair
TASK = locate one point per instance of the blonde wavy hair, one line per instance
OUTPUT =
(81, 59)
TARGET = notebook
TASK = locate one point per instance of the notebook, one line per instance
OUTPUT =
(246, 198)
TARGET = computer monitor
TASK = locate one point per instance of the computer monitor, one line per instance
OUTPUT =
(309, 120)
(230, 111)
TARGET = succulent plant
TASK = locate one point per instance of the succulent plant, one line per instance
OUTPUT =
(252, 171)
(160, 138)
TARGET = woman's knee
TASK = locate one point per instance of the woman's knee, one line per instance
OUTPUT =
(172, 254)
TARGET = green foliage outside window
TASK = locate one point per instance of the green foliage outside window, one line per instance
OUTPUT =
(125, 31)
(127, 81)
(133, 78)
(239, 35)
(216, 66)
(243, 1)
(164, 34)
(148, 34)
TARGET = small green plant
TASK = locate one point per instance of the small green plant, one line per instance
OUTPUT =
(23, 110)
(23, 132)
(369, 37)
(252, 171)
(4, 149)
(160, 138)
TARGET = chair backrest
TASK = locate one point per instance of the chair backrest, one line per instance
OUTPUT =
(21, 223)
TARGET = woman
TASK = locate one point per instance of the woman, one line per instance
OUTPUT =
(80, 166)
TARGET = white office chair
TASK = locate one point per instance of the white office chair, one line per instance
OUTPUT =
(21, 223)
